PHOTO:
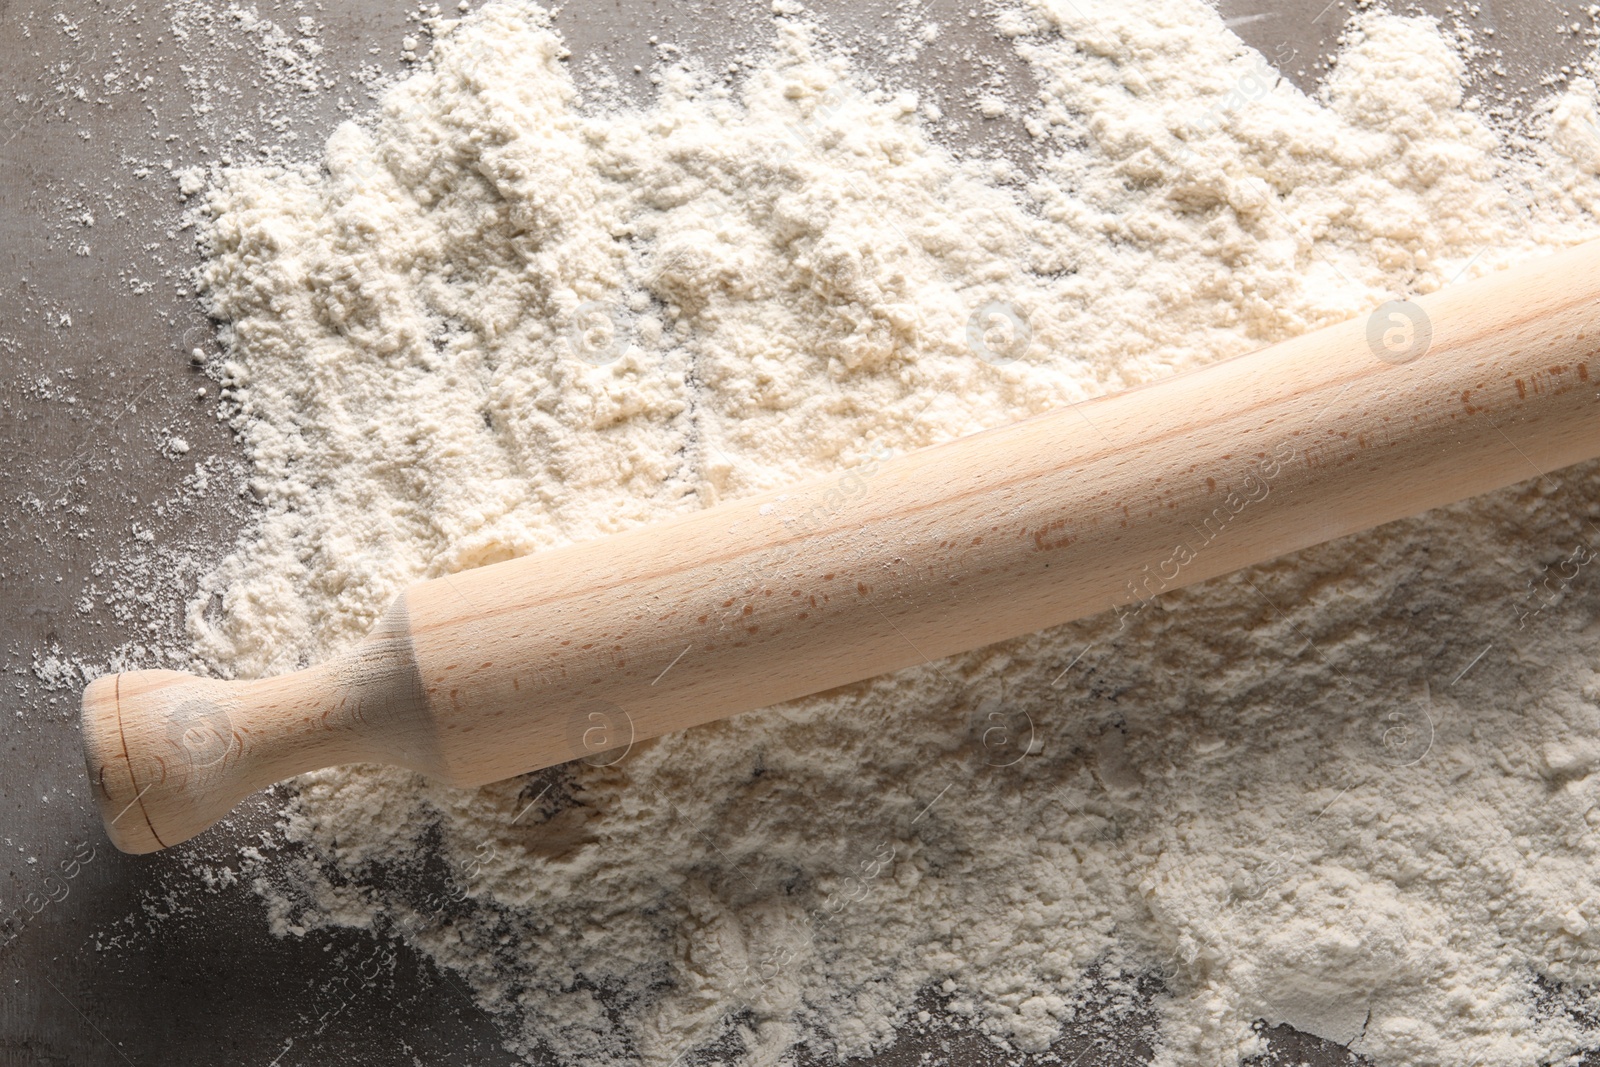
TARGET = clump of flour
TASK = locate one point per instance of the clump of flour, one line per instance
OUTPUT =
(497, 322)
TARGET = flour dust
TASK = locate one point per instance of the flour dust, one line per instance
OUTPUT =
(1351, 791)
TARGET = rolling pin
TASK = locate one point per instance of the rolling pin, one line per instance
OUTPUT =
(1100, 507)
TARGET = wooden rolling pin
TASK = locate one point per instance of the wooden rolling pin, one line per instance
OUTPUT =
(586, 649)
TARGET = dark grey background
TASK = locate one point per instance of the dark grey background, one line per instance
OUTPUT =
(137, 960)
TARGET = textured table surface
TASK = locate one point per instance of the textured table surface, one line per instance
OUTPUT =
(137, 960)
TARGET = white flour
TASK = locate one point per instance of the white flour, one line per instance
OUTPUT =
(501, 322)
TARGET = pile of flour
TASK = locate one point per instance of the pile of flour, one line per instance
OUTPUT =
(1350, 791)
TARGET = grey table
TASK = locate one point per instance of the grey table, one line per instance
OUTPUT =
(136, 960)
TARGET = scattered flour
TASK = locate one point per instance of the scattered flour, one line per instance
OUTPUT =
(498, 321)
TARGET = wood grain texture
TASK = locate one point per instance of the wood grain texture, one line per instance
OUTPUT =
(584, 650)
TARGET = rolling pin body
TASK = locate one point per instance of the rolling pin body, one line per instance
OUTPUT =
(586, 649)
